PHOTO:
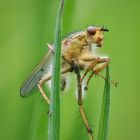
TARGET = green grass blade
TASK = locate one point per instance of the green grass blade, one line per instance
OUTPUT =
(54, 120)
(105, 108)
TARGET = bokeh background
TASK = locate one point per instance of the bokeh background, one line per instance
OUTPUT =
(25, 28)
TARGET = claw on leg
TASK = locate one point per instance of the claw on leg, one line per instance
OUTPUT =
(89, 130)
(115, 83)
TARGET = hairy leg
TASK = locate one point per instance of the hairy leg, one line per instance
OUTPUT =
(93, 64)
(96, 71)
(46, 79)
(89, 130)
(115, 83)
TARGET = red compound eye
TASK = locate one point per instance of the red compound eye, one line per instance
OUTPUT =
(91, 30)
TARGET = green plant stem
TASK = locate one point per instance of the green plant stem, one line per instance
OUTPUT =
(105, 108)
(54, 120)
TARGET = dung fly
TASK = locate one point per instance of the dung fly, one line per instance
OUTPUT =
(79, 57)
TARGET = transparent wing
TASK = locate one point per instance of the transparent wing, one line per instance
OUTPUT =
(32, 80)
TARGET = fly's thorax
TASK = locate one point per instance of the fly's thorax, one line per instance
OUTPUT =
(72, 46)
(75, 40)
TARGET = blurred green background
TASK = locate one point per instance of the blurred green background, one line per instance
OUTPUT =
(25, 28)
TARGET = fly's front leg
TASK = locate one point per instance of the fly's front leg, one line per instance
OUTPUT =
(90, 67)
(105, 62)
(87, 82)
(94, 61)
(115, 83)
(89, 130)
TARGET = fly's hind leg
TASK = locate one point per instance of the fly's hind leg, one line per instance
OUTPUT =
(46, 79)
(89, 130)
(40, 83)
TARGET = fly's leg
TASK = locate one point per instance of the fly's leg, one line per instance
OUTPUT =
(42, 81)
(89, 130)
(87, 82)
(42, 91)
(93, 64)
(96, 71)
(115, 83)
(46, 79)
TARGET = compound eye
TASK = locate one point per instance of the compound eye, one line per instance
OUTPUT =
(91, 30)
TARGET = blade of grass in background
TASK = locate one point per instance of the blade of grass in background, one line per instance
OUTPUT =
(54, 120)
(105, 108)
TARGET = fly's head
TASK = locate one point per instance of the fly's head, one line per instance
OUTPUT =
(95, 35)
